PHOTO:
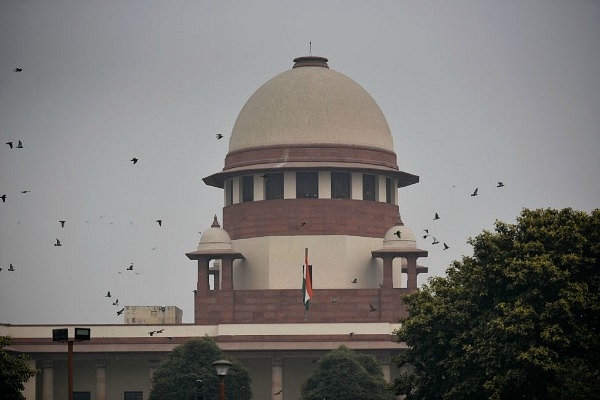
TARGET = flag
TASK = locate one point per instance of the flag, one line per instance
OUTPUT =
(307, 292)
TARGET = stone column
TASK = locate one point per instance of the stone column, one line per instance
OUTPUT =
(277, 378)
(411, 269)
(388, 282)
(48, 380)
(152, 364)
(385, 368)
(226, 273)
(100, 380)
(30, 385)
(203, 264)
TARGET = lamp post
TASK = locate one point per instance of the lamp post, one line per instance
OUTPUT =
(222, 366)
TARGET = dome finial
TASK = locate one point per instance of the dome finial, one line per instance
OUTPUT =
(215, 223)
(310, 61)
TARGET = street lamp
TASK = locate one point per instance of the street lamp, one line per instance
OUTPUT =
(222, 366)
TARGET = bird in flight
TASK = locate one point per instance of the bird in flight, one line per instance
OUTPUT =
(25, 191)
(151, 333)
(107, 294)
(475, 192)
(426, 230)
(130, 268)
(9, 144)
(372, 308)
(18, 69)
(3, 197)
(159, 221)
(62, 224)
(446, 247)
(334, 299)
(160, 330)
(116, 302)
(58, 243)
(279, 392)
(11, 268)
(303, 224)
(134, 160)
(120, 311)
(354, 280)
(19, 145)
(500, 184)
(436, 216)
(425, 236)
(435, 241)
(219, 136)
(397, 233)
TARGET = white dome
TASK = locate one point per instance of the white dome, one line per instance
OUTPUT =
(399, 236)
(215, 238)
(308, 105)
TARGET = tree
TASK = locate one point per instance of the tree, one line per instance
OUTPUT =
(344, 374)
(14, 372)
(176, 378)
(520, 319)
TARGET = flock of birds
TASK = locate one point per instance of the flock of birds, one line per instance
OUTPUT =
(17, 145)
(429, 233)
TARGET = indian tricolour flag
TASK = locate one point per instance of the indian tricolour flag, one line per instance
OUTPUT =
(307, 292)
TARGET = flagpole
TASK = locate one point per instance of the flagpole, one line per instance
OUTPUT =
(304, 275)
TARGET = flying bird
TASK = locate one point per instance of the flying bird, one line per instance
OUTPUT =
(435, 241)
(58, 243)
(159, 221)
(9, 144)
(25, 191)
(3, 197)
(372, 308)
(334, 299)
(446, 247)
(436, 216)
(134, 160)
(151, 333)
(116, 302)
(351, 334)
(20, 145)
(130, 268)
(426, 230)
(120, 311)
(219, 136)
(279, 392)
(107, 294)
(425, 236)
(474, 192)
(18, 69)
(62, 224)
(303, 224)
(160, 330)
(397, 233)
(500, 184)
(11, 268)
(354, 280)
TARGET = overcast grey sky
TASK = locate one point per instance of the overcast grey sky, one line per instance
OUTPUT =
(474, 92)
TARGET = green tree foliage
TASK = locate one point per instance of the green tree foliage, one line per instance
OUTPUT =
(14, 372)
(175, 378)
(344, 374)
(520, 319)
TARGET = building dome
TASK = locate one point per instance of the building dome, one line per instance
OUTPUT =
(313, 118)
(307, 105)
(399, 237)
(214, 238)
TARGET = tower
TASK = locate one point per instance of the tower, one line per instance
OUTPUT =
(311, 164)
